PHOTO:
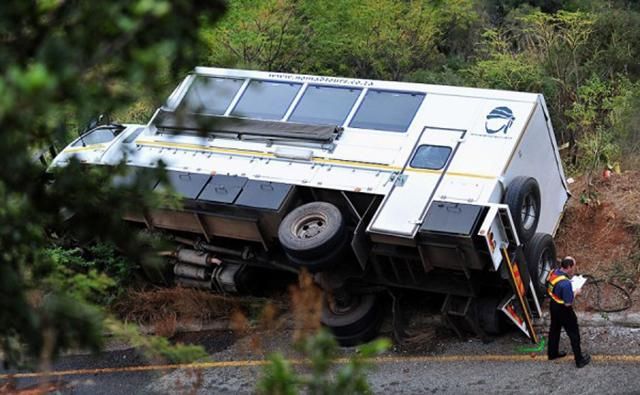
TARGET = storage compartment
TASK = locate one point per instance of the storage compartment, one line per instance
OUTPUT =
(264, 195)
(446, 238)
(187, 185)
(222, 189)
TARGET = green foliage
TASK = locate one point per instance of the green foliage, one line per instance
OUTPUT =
(64, 62)
(624, 118)
(325, 375)
(374, 39)
(88, 285)
(155, 347)
(95, 274)
(278, 377)
(616, 43)
(506, 71)
(266, 35)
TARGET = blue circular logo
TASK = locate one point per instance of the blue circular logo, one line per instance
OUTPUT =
(498, 120)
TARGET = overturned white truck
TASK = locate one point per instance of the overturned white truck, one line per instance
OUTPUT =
(374, 186)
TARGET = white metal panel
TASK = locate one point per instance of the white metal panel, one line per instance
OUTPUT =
(494, 236)
(402, 210)
(536, 157)
(349, 179)
(89, 154)
(179, 92)
(282, 170)
(460, 189)
(484, 155)
(362, 149)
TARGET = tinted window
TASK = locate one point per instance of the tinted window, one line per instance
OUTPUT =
(431, 157)
(384, 110)
(324, 105)
(266, 100)
(96, 136)
(211, 95)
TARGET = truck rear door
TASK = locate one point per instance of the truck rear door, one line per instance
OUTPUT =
(403, 209)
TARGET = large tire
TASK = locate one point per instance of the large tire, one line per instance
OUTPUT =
(540, 254)
(523, 199)
(356, 323)
(489, 317)
(313, 236)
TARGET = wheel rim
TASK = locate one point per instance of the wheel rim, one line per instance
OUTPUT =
(309, 226)
(343, 308)
(529, 211)
(545, 263)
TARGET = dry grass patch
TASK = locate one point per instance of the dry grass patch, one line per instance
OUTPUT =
(165, 309)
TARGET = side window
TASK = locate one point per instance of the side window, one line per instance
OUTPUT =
(387, 111)
(432, 157)
(266, 100)
(97, 136)
(211, 95)
(325, 105)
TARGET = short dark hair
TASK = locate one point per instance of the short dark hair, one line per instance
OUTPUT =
(567, 263)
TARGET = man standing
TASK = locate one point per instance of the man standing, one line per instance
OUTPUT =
(562, 314)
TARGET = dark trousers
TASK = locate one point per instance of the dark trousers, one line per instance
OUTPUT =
(563, 317)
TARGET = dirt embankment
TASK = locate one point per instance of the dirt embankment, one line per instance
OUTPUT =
(604, 237)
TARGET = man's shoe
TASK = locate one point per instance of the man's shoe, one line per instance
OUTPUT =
(560, 355)
(584, 361)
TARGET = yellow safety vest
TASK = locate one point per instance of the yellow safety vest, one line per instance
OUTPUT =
(551, 283)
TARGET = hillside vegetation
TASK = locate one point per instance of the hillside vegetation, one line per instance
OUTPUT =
(583, 55)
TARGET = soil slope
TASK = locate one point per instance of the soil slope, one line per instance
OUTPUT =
(604, 237)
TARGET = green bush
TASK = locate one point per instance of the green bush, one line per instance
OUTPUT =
(326, 375)
(96, 273)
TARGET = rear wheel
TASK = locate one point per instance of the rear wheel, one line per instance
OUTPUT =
(313, 236)
(354, 321)
(489, 317)
(540, 254)
(523, 199)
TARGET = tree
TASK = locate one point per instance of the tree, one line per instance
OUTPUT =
(267, 35)
(63, 62)
(382, 39)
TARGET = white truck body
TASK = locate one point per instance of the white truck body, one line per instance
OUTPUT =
(406, 146)
(370, 160)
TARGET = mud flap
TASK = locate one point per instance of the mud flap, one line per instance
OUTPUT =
(518, 310)
(510, 307)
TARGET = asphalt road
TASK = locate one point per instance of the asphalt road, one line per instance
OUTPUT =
(438, 363)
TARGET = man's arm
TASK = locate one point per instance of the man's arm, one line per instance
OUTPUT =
(566, 292)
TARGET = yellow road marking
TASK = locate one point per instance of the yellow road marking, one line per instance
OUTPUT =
(380, 360)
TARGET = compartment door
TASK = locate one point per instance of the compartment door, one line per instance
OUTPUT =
(404, 208)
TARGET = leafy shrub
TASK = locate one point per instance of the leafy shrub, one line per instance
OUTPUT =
(94, 274)
(325, 375)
